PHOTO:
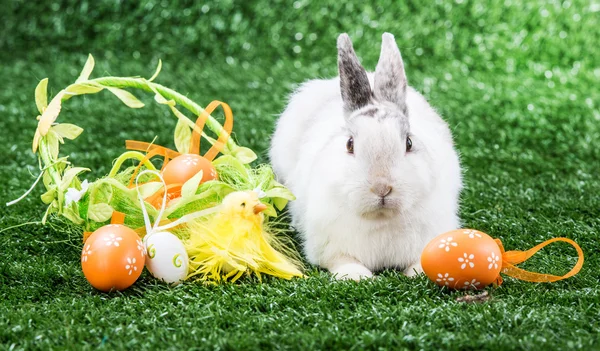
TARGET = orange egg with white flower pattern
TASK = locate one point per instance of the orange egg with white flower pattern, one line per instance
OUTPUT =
(183, 167)
(462, 259)
(113, 258)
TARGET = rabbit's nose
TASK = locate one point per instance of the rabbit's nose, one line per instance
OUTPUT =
(381, 189)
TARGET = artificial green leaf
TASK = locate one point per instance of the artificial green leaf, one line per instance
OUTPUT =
(47, 179)
(52, 142)
(183, 137)
(69, 175)
(226, 161)
(244, 154)
(83, 205)
(100, 212)
(101, 191)
(158, 68)
(41, 95)
(50, 113)
(52, 208)
(150, 188)
(126, 97)
(209, 194)
(214, 187)
(87, 69)
(36, 140)
(280, 203)
(71, 215)
(58, 136)
(190, 187)
(60, 164)
(270, 211)
(49, 196)
(82, 89)
(67, 130)
(283, 193)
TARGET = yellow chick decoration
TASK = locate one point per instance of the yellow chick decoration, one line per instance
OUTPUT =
(235, 241)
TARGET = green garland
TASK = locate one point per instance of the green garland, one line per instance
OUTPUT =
(91, 205)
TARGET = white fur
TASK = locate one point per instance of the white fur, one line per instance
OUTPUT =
(308, 154)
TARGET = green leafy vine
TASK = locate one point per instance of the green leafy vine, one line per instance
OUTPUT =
(91, 204)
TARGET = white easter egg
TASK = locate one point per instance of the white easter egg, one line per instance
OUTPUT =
(167, 259)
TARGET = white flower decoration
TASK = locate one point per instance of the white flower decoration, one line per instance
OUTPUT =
(472, 284)
(444, 278)
(189, 160)
(446, 243)
(259, 192)
(472, 233)
(86, 253)
(74, 195)
(140, 246)
(131, 265)
(493, 260)
(112, 240)
(466, 260)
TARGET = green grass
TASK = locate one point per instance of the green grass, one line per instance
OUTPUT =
(518, 84)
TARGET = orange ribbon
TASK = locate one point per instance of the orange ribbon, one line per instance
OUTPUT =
(117, 218)
(511, 258)
(157, 150)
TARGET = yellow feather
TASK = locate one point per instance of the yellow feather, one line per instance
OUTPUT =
(235, 242)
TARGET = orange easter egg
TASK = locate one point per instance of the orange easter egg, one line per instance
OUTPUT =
(113, 258)
(462, 259)
(183, 167)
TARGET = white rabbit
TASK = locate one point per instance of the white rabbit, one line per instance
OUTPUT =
(372, 165)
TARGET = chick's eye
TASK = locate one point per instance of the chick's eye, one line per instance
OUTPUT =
(350, 145)
(243, 204)
(408, 144)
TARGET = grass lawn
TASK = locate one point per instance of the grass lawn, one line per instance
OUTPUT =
(518, 84)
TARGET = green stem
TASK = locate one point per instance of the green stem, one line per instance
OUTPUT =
(141, 83)
(44, 153)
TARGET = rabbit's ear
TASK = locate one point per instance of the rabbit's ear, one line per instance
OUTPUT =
(354, 84)
(390, 79)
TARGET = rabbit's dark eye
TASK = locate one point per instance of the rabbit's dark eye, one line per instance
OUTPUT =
(408, 144)
(350, 145)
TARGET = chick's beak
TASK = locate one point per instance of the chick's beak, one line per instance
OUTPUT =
(259, 208)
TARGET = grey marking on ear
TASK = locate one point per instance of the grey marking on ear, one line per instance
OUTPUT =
(354, 84)
(390, 79)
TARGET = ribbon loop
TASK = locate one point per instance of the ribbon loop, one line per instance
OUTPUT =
(157, 150)
(152, 150)
(511, 258)
(225, 132)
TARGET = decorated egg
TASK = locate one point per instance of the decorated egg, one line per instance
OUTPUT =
(183, 167)
(113, 258)
(462, 259)
(167, 259)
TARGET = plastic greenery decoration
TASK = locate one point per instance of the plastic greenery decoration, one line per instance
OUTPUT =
(91, 205)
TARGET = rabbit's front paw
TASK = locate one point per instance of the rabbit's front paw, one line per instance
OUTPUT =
(354, 271)
(413, 270)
